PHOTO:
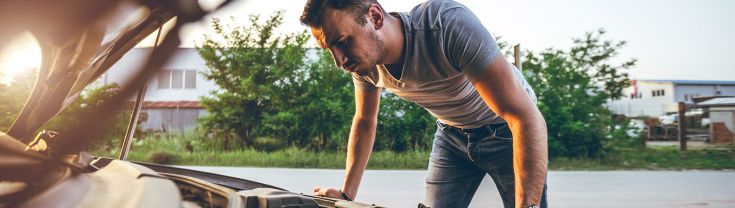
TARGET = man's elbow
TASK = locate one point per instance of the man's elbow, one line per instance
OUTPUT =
(530, 116)
(362, 123)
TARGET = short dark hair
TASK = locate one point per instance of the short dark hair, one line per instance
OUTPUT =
(313, 10)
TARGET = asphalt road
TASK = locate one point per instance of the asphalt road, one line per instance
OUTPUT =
(583, 189)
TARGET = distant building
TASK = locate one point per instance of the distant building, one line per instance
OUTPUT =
(655, 98)
(172, 95)
(722, 116)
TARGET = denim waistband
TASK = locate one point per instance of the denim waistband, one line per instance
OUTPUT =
(486, 128)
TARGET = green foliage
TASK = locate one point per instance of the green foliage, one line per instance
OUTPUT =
(268, 144)
(259, 74)
(403, 125)
(273, 87)
(172, 149)
(327, 105)
(14, 96)
(163, 157)
(572, 87)
(276, 93)
(659, 158)
(270, 89)
(87, 103)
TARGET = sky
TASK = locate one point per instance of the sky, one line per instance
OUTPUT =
(671, 39)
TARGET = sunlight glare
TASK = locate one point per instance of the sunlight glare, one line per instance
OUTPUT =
(22, 53)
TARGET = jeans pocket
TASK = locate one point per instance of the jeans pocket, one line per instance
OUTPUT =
(503, 133)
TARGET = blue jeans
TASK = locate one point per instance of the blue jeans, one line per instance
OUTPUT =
(461, 158)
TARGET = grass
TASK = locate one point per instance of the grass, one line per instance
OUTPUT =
(659, 158)
(173, 150)
(291, 158)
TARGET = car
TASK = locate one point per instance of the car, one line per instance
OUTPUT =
(80, 40)
(668, 119)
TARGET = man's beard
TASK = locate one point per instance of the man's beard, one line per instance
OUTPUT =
(375, 53)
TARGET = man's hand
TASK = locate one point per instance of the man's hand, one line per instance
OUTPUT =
(328, 192)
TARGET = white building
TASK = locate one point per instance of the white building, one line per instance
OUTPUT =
(172, 95)
(722, 115)
(655, 98)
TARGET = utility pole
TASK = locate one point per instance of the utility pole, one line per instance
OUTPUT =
(682, 127)
(517, 56)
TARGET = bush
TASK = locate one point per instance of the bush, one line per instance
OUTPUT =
(572, 88)
(268, 144)
(163, 157)
(88, 103)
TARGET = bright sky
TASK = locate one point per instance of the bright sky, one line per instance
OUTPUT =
(672, 39)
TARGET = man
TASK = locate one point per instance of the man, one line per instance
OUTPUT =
(440, 57)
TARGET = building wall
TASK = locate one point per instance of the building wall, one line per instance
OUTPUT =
(171, 119)
(726, 90)
(646, 103)
(685, 92)
(183, 59)
(653, 105)
(725, 115)
(165, 119)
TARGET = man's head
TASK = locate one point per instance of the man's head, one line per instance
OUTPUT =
(349, 30)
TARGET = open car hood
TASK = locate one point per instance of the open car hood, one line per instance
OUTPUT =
(80, 40)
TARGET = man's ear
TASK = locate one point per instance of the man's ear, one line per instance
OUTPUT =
(375, 15)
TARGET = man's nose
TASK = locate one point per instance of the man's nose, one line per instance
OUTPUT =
(339, 57)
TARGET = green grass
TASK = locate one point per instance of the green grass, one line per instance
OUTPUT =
(172, 150)
(661, 158)
(290, 157)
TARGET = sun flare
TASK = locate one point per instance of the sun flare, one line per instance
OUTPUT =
(20, 54)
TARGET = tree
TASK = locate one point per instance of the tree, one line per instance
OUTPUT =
(320, 113)
(403, 125)
(275, 90)
(329, 103)
(572, 88)
(17, 92)
(87, 104)
(14, 95)
(259, 74)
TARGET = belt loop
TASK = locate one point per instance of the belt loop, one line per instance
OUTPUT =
(441, 125)
(490, 130)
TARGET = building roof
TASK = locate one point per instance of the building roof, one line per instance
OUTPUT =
(691, 82)
(169, 104)
(723, 101)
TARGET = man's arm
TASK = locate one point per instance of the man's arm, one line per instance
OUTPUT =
(362, 137)
(501, 91)
(360, 144)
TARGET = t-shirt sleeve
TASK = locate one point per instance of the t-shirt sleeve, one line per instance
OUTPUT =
(469, 47)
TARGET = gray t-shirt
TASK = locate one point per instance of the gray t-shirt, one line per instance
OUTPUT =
(444, 43)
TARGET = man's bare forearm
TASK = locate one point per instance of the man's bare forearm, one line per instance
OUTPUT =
(530, 154)
(359, 147)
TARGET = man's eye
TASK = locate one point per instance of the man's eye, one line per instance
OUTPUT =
(343, 42)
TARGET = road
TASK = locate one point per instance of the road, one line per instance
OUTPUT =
(583, 189)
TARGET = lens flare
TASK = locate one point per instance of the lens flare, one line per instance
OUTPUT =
(20, 54)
